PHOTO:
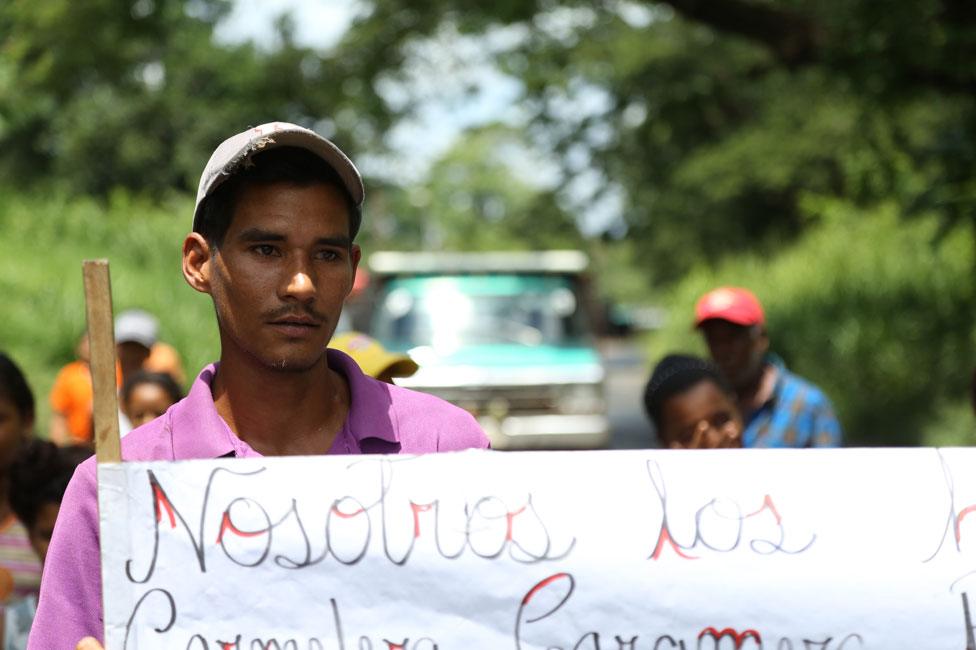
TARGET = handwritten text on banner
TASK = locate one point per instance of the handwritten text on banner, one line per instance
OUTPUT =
(629, 550)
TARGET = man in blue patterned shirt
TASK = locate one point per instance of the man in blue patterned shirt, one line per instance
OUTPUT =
(780, 409)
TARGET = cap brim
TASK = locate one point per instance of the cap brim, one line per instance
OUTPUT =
(402, 367)
(735, 319)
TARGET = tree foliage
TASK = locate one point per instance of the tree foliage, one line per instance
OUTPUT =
(717, 117)
(802, 147)
(887, 332)
(97, 95)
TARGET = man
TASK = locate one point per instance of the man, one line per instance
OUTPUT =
(779, 408)
(71, 400)
(277, 212)
(137, 348)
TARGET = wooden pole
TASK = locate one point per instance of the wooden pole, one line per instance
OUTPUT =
(101, 340)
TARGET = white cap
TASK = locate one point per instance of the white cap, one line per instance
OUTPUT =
(236, 150)
(136, 326)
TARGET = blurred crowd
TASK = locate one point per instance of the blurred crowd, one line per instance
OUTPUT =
(743, 396)
(34, 472)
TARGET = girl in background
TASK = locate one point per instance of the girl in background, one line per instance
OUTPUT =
(691, 405)
(147, 395)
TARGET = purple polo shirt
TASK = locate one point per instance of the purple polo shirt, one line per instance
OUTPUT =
(383, 419)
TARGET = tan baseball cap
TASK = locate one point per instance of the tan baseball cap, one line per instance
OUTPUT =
(236, 150)
(372, 357)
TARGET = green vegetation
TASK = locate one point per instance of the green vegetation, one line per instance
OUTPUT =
(43, 241)
(877, 312)
(822, 153)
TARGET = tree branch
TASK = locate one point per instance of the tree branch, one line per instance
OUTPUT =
(793, 38)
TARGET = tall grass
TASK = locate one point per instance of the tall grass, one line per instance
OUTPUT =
(43, 241)
(877, 310)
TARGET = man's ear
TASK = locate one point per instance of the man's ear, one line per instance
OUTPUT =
(356, 254)
(197, 260)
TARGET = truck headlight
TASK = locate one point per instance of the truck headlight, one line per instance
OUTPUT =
(581, 399)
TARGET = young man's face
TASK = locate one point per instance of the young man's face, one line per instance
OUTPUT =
(280, 276)
(739, 351)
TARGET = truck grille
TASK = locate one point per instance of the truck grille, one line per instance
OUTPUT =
(514, 400)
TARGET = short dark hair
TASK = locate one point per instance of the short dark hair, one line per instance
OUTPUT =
(278, 165)
(162, 379)
(673, 375)
(14, 386)
(39, 475)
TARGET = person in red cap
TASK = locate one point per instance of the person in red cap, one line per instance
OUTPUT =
(780, 409)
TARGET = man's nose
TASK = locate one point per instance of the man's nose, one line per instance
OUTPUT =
(299, 283)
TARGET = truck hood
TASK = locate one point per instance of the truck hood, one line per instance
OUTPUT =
(506, 365)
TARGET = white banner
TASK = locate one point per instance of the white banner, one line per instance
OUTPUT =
(614, 550)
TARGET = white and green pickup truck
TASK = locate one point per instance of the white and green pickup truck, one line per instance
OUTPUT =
(503, 335)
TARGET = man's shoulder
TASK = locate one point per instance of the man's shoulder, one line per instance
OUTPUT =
(799, 395)
(797, 386)
(141, 444)
(421, 414)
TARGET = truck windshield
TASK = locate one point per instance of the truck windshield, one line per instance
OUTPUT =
(455, 311)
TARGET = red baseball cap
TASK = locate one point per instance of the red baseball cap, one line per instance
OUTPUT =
(733, 304)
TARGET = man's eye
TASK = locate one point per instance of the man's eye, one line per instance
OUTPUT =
(328, 255)
(264, 249)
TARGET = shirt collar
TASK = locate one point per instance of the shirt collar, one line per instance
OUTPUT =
(776, 362)
(200, 432)
(371, 412)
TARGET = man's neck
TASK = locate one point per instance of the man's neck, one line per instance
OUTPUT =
(281, 413)
(758, 391)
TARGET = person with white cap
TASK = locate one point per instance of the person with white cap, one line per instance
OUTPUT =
(277, 213)
(136, 332)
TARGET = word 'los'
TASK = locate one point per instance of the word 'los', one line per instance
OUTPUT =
(723, 539)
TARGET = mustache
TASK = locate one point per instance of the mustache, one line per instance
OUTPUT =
(294, 311)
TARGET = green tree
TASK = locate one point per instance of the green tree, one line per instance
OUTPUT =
(97, 95)
(716, 118)
(485, 194)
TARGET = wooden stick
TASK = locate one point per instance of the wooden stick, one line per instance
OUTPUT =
(101, 340)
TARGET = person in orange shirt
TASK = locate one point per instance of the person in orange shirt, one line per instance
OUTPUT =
(71, 400)
(137, 348)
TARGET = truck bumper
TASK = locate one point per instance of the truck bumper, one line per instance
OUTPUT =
(547, 431)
